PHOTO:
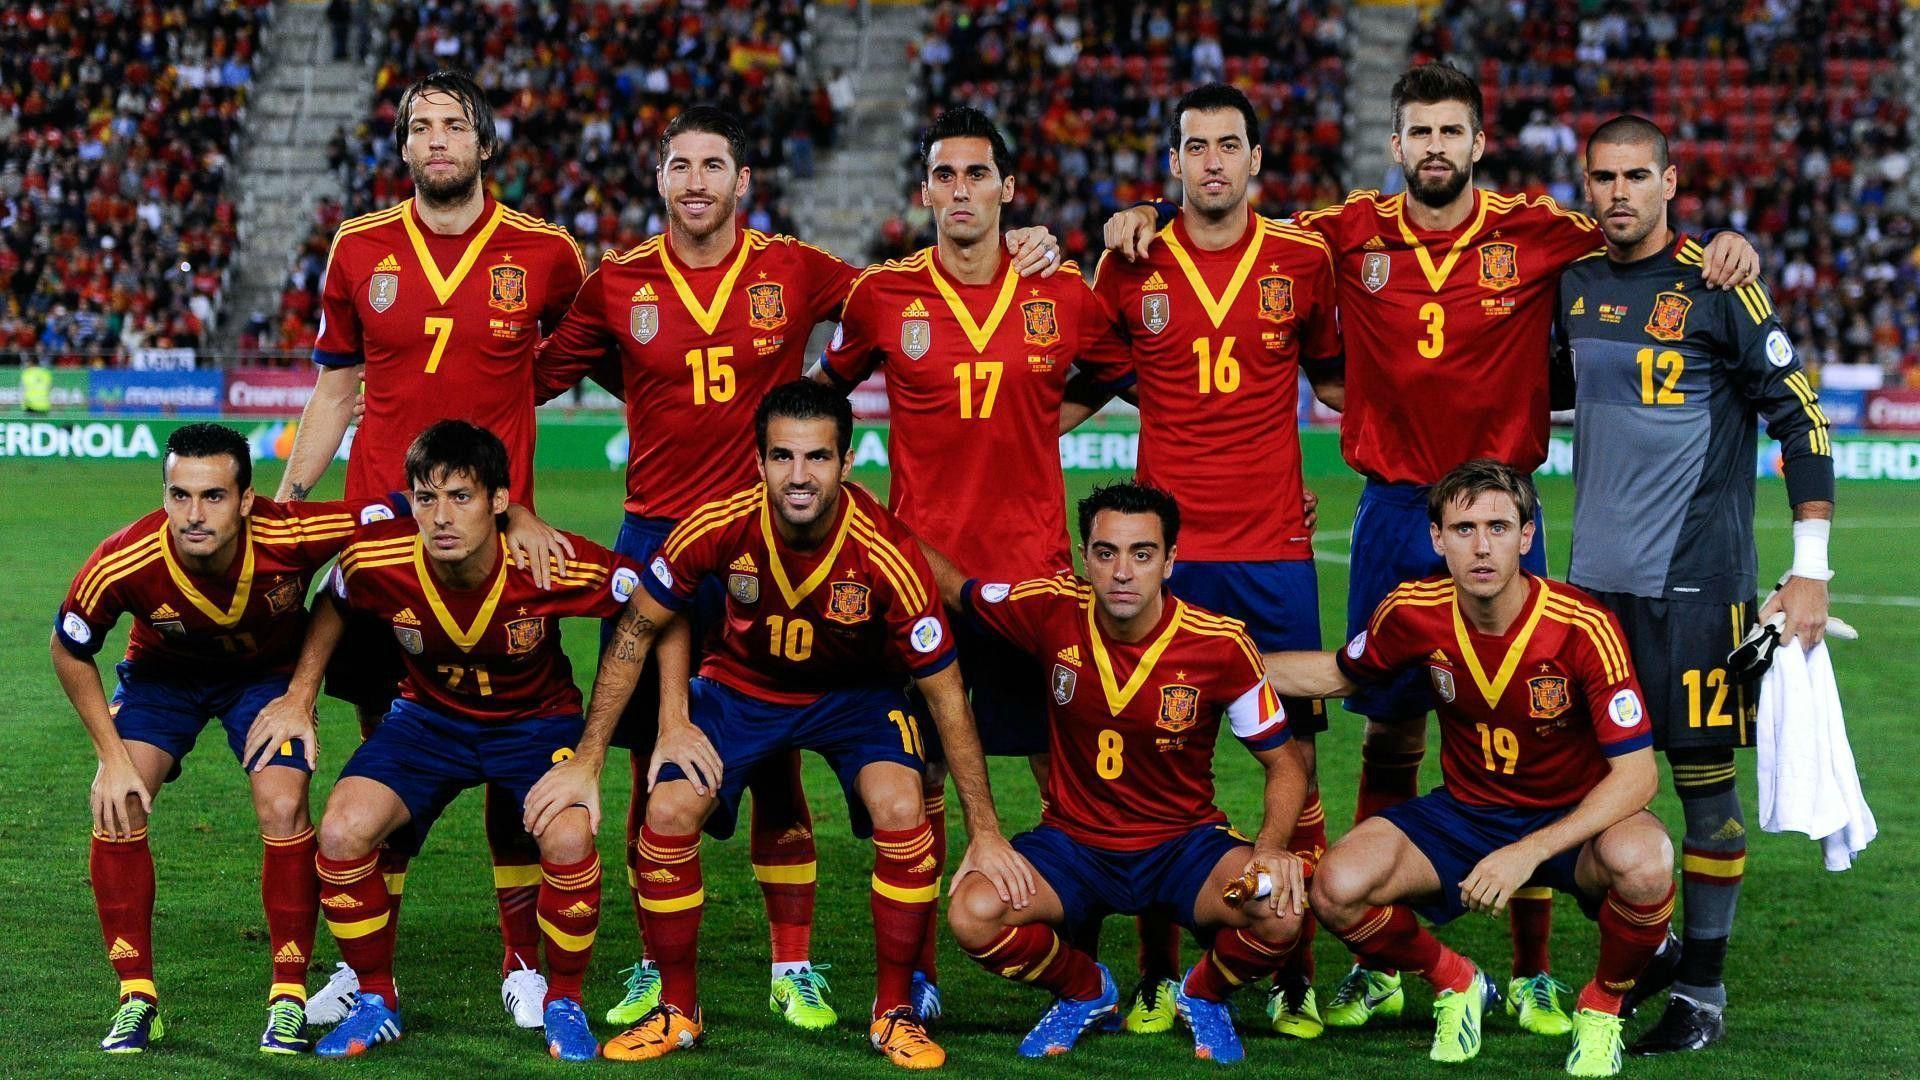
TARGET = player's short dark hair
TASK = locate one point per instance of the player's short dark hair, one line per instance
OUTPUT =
(473, 102)
(1631, 130)
(1430, 84)
(804, 399)
(1132, 497)
(966, 122)
(1478, 477)
(212, 440)
(448, 447)
(708, 120)
(1211, 98)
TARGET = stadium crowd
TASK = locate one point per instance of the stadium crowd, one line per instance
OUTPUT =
(1787, 123)
(117, 126)
(581, 93)
(1081, 91)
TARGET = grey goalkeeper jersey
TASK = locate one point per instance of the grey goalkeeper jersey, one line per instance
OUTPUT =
(1670, 377)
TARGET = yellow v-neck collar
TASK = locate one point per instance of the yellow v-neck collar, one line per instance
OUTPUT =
(707, 315)
(978, 334)
(1493, 689)
(778, 567)
(469, 636)
(242, 588)
(1217, 307)
(1437, 275)
(444, 286)
(1118, 696)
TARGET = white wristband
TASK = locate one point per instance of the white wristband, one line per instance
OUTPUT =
(1810, 550)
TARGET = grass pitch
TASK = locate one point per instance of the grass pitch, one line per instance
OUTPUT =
(1821, 972)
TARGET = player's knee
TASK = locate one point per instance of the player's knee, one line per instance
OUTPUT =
(344, 834)
(674, 809)
(567, 840)
(896, 807)
(1340, 884)
(1274, 928)
(282, 811)
(1638, 857)
(975, 912)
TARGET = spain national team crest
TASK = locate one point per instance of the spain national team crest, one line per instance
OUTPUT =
(643, 321)
(382, 291)
(1179, 707)
(409, 639)
(1442, 680)
(1375, 268)
(1276, 298)
(524, 635)
(1155, 310)
(1064, 680)
(1547, 697)
(1042, 327)
(507, 287)
(766, 305)
(1669, 319)
(916, 337)
(283, 597)
(744, 588)
(1499, 265)
(849, 603)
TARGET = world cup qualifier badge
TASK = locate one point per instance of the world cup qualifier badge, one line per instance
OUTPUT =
(1179, 705)
(1668, 322)
(1276, 298)
(766, 305)
(1041, 324)
(1499, 265)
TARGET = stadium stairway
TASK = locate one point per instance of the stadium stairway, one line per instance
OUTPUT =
(1378, 56)
(283, 170)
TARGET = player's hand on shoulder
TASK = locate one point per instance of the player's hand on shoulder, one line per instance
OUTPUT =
(1130, 232)
(1310, 509)
(993, 857)
(536, 545)
(567, 784)
(688, 747)
(1495, 879)
(1805, 602)
(1729, 262)
(279, 721)
(115, 782)
(1034, 250)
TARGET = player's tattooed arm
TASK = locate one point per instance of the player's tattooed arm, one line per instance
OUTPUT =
(291, 715)
(1632, 780)
(988, 852)
(323, 423)
(1306, 674)
(536, 546)
(116, 783)
(1284, 796)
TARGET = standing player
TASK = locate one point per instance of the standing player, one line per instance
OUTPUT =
(1547, 765)
(830, 608)
(1129, 821)
(216, 580)
(1669, 391)
(437, 304)
(488, 697)
(976, 361)
(1222, 316)
(1446, 303)
(704, 320)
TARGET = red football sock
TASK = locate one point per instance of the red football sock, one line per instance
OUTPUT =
(1235, 958)
(929, 962)
(1159, 955)
(1035, 954)
(1391, 939)
(780, 842)
(290, 892)
(1309, 841)
(393, 871)
(672, 897)
(1387, 778)
(1530, 920)
(569, 917)
(122, 875)
(516, 881)
(1629, 936)
(353, 894)
(637, 814)
(906, 883)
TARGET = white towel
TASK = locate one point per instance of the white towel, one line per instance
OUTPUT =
(1808, 783)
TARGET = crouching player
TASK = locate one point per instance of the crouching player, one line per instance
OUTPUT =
(1547, 767)
(216, 580)
(1129, 824)
(488, 698)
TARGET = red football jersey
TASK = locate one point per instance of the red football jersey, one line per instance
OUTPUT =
(1133, 749)
(698, 348)
(860, 609)
(446, 326)
(1527, 719)
(1446, 332)
(490, 653)
(1217, 338)
(975, 379)
(249, 620)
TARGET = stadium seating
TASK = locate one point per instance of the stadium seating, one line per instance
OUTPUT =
(117, 125)
(1081, 91)
(1787, 123)
(581, 99)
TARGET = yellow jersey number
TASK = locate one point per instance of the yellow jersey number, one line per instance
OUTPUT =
(980, 379)
(1435, 342)
(1219, 371)
(791, 639)
(1668, 361)
(1501, 743)
(712, 375)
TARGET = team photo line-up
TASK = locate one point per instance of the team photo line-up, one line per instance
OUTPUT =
(756, 603)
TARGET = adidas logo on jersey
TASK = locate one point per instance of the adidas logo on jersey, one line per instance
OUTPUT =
(915, 310)
(1579, 306)
(406, 618)
(1374, 243)
(744, 564)
(1439, 656)
(1070, 654)
(580, 910)
(1153, 283)
(924, 865)
(340, 902)
(388, 265)
(164, 611)
(289, 954)
(122, 951)
(645, 294)
(660, 877)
